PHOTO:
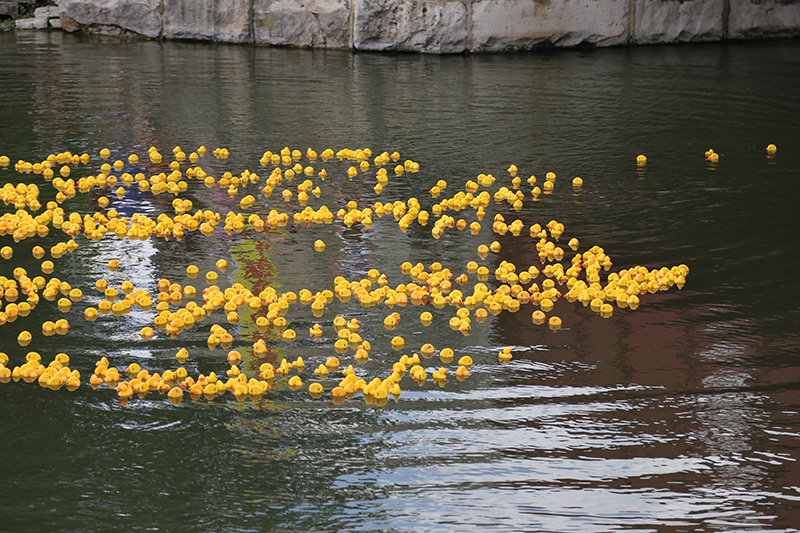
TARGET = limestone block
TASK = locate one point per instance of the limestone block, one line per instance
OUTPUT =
(47, 12)
(521, 24)
(35, 23)
(54, 23)
(116, 16)
(677, 21)
(207, 20)
(434, 26)
(750, 19)
(317, 23)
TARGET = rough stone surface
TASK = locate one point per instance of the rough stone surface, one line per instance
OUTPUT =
(68, 24)
(47, 12)
(35, 23)
(499, 25)
(116, 16)
(677, 21)
(411, 25)
(316, 23)
(207, 20)
(54, 23)
(753, 19)
(436, 26)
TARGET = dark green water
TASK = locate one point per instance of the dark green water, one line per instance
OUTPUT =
(683, 415)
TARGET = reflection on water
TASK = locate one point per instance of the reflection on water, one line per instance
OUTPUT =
(680, 416)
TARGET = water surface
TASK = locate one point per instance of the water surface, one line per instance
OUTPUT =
(679, 416)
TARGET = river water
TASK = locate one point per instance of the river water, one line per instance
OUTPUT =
(682, 415)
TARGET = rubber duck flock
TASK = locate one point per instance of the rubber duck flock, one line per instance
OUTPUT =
(562, 274)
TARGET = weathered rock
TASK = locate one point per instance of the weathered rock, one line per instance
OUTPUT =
(677, 21)
(436, 26)
(207, 20)
(55, 23)
(35, 23)
(68, 24)
(499, 25)
(410, 25)
(317, 23)
(47, 12)
(116, 16)
(749, 19)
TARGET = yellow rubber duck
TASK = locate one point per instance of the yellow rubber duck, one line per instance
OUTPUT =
(439, 374)
(124, 390)
(62, 326)
(398, 342)
(446, 355)
(175, 395)
(234, 357)
(182, 355)
(505, 355)
(316, 390)
(295, 382)
(196, 391)
(24, 338)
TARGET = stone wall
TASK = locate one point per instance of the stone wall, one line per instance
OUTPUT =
(438, 26)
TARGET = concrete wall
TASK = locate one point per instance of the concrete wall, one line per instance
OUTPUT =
(438, 26)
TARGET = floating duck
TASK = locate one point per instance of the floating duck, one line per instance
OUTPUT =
(24, 338)
(175, 395)
(446, 355)
(427, 350)
(398, 342)
(316, 390)
(234, 357)
(182, 355)
(295, 382)
(124, 390)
